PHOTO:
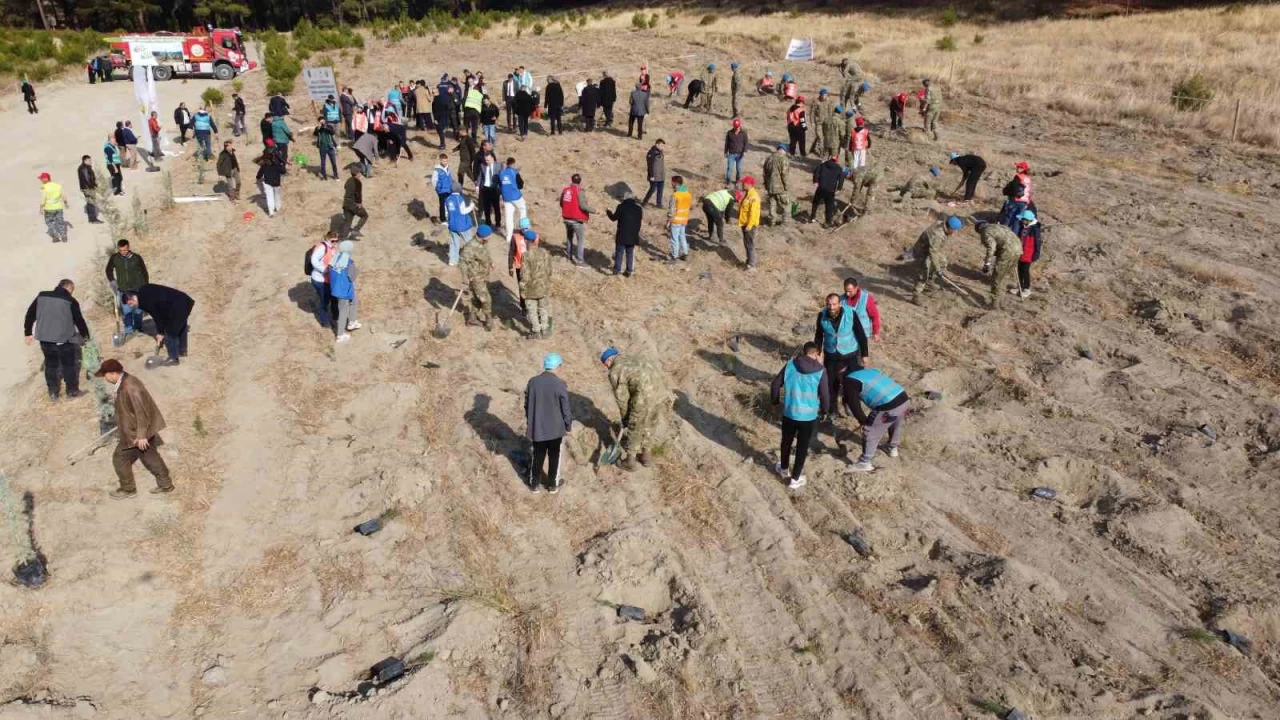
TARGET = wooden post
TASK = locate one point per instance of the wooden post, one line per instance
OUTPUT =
(952, 75)
(1235, 121)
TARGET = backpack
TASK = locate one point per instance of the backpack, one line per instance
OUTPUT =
(307, 267)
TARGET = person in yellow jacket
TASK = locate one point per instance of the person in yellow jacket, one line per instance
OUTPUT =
(52, 204)
(749, 218)
(678, 207)
(471, 110)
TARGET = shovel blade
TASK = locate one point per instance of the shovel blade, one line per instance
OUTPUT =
(441, 332)
(117, 339)
(610, 454)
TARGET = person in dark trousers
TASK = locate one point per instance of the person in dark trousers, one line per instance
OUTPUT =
(828, 178)
(111, 153)
(695, 89)
(466, 149)
(126, 272)
(487, 181)
(54, 320)
(139, 422)
(229, 170)
(797, 126)
(238, 114)
(843, 342)
(353, 203)
(735, 148)
(639, 103)
(509, 100)
(897, 108)
(553, 99)
(971, 167)
(441, 109)
(608, 97)
(170, 309)
(489, 121)
(629, 216)
(182, 119)
(656, 170)
(347, 103)
(89, 186)
(804, 392)
(327, 144)
(525, 106)
(548, 419)
(588, 102)
(888, 403)
(278, 106)
(29, 96)
(265, 127)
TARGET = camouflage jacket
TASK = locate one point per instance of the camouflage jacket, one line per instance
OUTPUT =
(1001, 243)
(831, 127)
(933, 99)
(866, 175)
(933, 239)
(637, 387)
(820, 109)
(775, 173)
(535, 273)
(475, 260)
(852, 73)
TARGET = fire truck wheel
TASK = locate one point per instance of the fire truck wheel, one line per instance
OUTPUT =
(223, 71)
(163, 72)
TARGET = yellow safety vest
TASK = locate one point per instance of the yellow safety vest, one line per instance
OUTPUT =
(52, 196)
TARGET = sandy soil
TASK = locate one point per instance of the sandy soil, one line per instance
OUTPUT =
(247, 595)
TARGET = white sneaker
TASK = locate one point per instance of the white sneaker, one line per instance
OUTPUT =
(797, 483)
(353, 326)
(344, 337)
(1025, 294)
(1014, 290)
(782, 472)
(892, 452)
(862, 467)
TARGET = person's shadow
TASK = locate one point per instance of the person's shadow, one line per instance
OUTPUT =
(438, 295)
(731, 364)
(716, 429)
(304, 296)
(876, 286)
(498, 437)
(593, 419)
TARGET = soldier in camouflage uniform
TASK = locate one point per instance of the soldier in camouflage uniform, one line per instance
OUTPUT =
(918, 186)
(851, 79)
(846, 132)
(535, 286)
(642, 398)
(476, 264)
(832, 124)
(1003, 250)
(818, 113)
(864, 179)
(931, 256)
(733, 88)
(710, 86)
(776, 168)
(932, 108)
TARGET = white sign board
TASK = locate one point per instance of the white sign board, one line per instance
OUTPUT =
(150, 52)
(320, 82)
(802, 50)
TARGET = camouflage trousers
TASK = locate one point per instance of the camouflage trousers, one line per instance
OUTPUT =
(931, 123)
(777, 208)
(870, 188)
(929, 266)
(481, 301)
(56, 223)
(538, 312)
(640, 431)
(1004, 271)
(848, 92)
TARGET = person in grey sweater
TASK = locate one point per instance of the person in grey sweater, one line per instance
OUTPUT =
(639, 109)
(547, 415)
(55, 321)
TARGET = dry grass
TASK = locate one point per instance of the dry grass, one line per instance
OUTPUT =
(986, 537)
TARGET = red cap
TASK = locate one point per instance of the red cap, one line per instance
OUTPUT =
(271, 143)
(800, 98)
(737, 123)
(748, 180)
(45, 177)
(1021, 165)
(859, 121)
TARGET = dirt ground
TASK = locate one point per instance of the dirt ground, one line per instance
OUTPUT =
(246, 594)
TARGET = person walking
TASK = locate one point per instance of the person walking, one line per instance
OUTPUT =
(476, 265)
(525, 105)
(888, 404)
(319, 258)
(749, 219)
(29, 96)
(509, 87)
(931, 108)
(442, 183)
(327, 144)
(53, 206)
(264, 127)
(282, 136)
(639, 104)
(860, 142)
(776, 168)
(629, 215)
(271, 175)
(170, 311)
(735, 148)
(206, 128)
(88, 187)
(342, 286)
(547, 419)
(138, 423)
(511, 187)
(971, 169)
(588, 101)
(535, 285)
(238, 113)
(734, 85)
(1030, 234)
(828, 178)
(803, 390)
(656, 169)
(840, 335)
(865, 311)
(716, 206)
(642, 400)
(126, 273)
(1004, 250)
(489, 121)
(54, 320)
(229, 170)
(678, 210)
(576, 213)
(471, 106)
(553, 99)
(111, 152)
(930, 255)
(487, 181)
(460, 219)
(608, 97)
(797, 124)
(182, 118)
(353, 204)
(466, 149)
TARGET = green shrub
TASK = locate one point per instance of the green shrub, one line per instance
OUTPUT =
(539, 28)
(639, 21)
(672, 11)
(211, 97)
(653, 21)
(948, 17)
(358, 60)
(279, 87)
(977, 39)
(582, 21)
(303, 54)
(946, 43)
(237, 85)
(708, 19)
(1191, 94)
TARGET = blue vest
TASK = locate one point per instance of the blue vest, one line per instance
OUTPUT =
(331, 112)
(340, 285)
(394, 97)
(201, 122)
(838, 340)
(861, 309)
(877, 388)
(112, 153)
(507, 183)
(444, 182)
(458, 220)
(800, 393)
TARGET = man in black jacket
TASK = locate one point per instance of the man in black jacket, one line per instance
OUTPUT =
(126, 272)
(629, 216)
(828, 178)
(548, 419)
(278, 106)
(442, 111)
(608, 96)
(971, 167)
(182, 118)
(353, 203)
(170, 308)
(656, 170)
(587, 104)
(525, 105)
(553, 99)
(238, 112)
(229, 170)
(89, 186)
(59, 327)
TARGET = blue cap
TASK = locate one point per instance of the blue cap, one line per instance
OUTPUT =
(551, 361)
(783, 147)
(712, 66)
(733, 66)
(955, 155)
(669, 78)
(823, 91)
(865, 86)
(484, 231)
(608, 353)
(850, 112)
(955, 223)
(935, 171)
(530, 235)
(524, 223)
(786, 77)
(839, 109)
(1028, 216)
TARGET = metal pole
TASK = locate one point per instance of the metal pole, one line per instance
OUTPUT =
(1235, 121)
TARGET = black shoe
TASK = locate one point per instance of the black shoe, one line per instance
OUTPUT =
(172, 362)
(75, 394)
(160, 490)
(53, 396)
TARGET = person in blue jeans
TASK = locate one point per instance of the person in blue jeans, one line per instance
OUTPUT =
(656, 166)
(205, 128)
(489, 121)
(460, 216)
(735, 147)
(322, 256)
(327, 143)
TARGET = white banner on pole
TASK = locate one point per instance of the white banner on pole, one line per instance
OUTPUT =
(801, 50)
(320, 82)
(152, 51)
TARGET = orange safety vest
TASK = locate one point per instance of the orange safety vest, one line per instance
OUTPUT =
(795, 117)
(860, 138)
(684, 201)
(1025, 179)
(520, 245)
(789, 91)
(360, 122)
(377, 122)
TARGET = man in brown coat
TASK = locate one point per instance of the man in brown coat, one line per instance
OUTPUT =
(140, 423)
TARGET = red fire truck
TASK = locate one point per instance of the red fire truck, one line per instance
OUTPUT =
(203, 52)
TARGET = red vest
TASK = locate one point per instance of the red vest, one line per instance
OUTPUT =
(1025, 179)
(570, 209)
(860, 137)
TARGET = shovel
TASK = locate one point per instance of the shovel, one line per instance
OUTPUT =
(610, 455)
(155, 361)
(117, 339)
(442, 329)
